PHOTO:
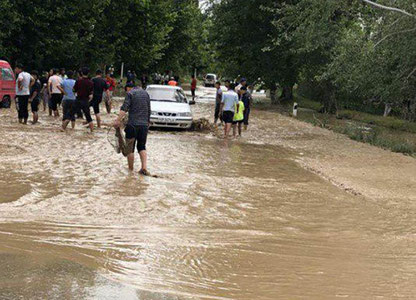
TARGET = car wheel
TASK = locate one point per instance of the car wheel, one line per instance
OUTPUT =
(6, 102)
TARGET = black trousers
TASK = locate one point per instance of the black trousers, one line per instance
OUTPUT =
(85, 108)
(22, 107)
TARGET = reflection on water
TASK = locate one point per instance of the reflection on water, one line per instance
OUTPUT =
(225, 220)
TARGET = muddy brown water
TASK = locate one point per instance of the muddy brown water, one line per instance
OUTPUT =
(224, 220)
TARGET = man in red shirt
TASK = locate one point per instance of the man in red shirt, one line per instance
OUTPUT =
(193, 87)
(108, 95)
(84, 88)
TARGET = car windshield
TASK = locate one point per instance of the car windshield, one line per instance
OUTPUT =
(210, 77)
(6, 74)
(166, 95)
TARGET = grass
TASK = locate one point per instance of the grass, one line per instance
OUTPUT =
(376, 137)
(388, 122)
(385, 132)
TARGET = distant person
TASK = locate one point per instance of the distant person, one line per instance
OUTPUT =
(137, 105)
(129, 76)
(172, 82)
(35, 94)
(145, 81)
(69, 101)
(55, 93)
(62, 74)
(218, 99)
(23, 84)
(243, 82)
(247, 100)
(166, 78)
(78, 110)
(156, 78)
(193, 87)
(111, 70)
(84, 89)
(44, 91)
(100, 86)
(50, 74)
(108, 95)
(229, 104)
(238, 118)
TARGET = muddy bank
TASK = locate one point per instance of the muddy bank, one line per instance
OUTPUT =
(356, 167)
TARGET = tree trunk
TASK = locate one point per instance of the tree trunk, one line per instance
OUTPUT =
(287, 94)
(387, 110)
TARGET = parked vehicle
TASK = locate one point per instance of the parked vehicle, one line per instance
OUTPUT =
(210, 80)
(7, 84)
(170, 107)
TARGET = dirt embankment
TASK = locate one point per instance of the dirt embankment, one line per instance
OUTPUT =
(359, 168)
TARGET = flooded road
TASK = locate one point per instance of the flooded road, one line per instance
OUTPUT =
(224, 220)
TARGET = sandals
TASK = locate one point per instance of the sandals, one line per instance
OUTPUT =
(144, 172)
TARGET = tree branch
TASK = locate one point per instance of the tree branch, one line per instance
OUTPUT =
(395, 9)
(391, 34)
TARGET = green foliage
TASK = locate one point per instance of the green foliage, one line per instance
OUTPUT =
(346, 54)
(242, 37)
(146, 35)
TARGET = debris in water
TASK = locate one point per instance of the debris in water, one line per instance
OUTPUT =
(202, 125)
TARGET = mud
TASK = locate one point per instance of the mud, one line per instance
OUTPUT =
(262, 217)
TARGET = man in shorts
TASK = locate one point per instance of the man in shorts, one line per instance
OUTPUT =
(218, 99)
(35, 93)
(137, 105)
(55, 93)
(84, 89)
(229, 103)
(100, 85)
(23, 83)
(69, 101)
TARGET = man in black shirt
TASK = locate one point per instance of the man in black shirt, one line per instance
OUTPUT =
(137, 105)
(35, 96)
(84, 89)
(100, 85)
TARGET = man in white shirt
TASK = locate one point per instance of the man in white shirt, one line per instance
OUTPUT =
(23, 83)
(54, 84)
(229, 104)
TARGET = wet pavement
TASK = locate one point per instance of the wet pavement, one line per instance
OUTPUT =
(224, 220)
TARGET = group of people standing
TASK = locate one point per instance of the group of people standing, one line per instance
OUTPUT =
(60, 88)
(232, 107)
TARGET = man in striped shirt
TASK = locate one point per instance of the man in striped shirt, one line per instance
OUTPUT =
(137, 105)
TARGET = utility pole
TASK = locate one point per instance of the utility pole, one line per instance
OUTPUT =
(122, 71)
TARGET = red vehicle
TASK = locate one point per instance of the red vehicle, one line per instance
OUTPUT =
(7, 84)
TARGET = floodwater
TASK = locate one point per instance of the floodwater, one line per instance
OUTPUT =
(223, 220)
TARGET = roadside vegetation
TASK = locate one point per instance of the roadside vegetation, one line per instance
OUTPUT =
(390, 133)
(350, 55)
(148, 36)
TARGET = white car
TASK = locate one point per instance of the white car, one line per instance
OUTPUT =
(170, 107)
(210, 80)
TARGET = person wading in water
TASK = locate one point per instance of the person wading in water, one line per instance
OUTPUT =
(229, 104)
(137, 105)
